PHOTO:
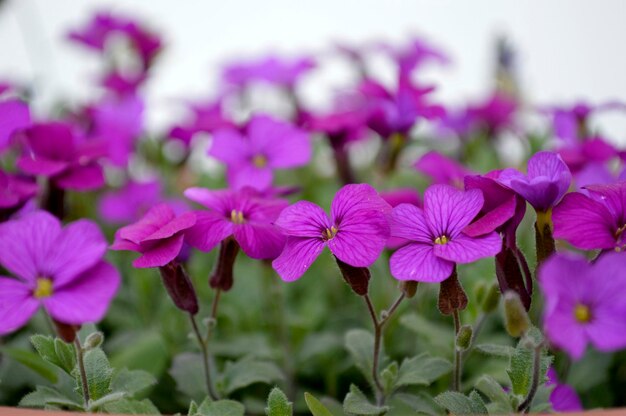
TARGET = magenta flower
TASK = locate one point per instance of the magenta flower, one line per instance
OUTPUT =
(14, 116)
(267, 145)
(129, 203)
(53, 151)
(563, 397)
(414, 55)
(394, 198)
(272, 70)
(442, 169)
(158, 236)
(60, 269)
(206, 117)
(436, 235)
(597, 221)
(14, 193)
(544, 185)
(243, 215)
(585, 302)
(356, 232)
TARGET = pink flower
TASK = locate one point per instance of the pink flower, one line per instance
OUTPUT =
(442, 169)
(14, 116)
(60, 269)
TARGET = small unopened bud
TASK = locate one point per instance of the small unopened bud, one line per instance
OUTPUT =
(66, 332)
(179, 287)
(464, 337)
(409, 287)
(94, 340)
(356, 277)
(491, 299)
(222, 277)
(516, 319)
(451, 295)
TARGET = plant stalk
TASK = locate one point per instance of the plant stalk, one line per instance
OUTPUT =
(458, 354)
(83, 374)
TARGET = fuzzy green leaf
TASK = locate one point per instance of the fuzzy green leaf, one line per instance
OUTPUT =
(520, 369)
(500, 402)
(360, 344)
(44, 345)
(99, 374)
(220, 408)
(422, 370)
(132, 382)
(66, 355)
(278, 404)
(132, 407)
(315, 406)
(356, 403)
(460, 404)
(46, 396)
(248, 371)
(187, 371)
(389, 376)
(496, 350)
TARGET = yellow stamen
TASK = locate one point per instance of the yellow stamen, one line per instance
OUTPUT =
(582, 313)
(441, 240)
(44, 288)
(329, 233)
(259, 161)
(237, 217)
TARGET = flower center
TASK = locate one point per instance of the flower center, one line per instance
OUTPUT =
(43, 288)
(582, 313)
(441, 240)
(329, 233)
(237, 217)
(260, 161)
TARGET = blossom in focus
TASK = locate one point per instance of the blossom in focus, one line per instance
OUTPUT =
(394, 198)
(244, 215)
(266, 145)
(544, 185)
(593, 221)
(14, 116)
(442, 169)
(14, 193)
(585, 302)
(52, 150)
(563, 397)
(356, 231)
(158, 236)
(436, 236)
(58, 268)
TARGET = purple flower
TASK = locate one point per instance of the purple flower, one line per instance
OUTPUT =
(272, 70)
(243, 214)
(129, 203)
(341, 127)
(267, 145)
(414, 55)
(52, 150)
(597, 221)
(436, 235)
(14, 116)
(356, 232)
(563, 397)
(442, 169)
(61, 269)
(14, 193)
(592, 150)
(545, 184)
(394, 198)
(207, 117)
(158, 236)
(585, 302)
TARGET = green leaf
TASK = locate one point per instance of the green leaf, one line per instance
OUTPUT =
(132, 407)
(357, 404)
(44, 345)
(520, 369)
(248, 371)
(360, 344)
(32, 361)
(496, 350)
(98, 372)
(111, 397)
(66, 355)
(421, 403)
(315, 406)
(434, 333)
(422, 370)
(500, 402)
(46, 396)
(221, 408)
(389, 376)
(278, 404)
(132, 382)
(193, 408)
(188, 373)
(460, 404)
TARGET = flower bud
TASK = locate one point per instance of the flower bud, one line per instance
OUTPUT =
(491, 299)
(464, 337)
(179, 287)
(356, 277)
(94, 340)
(513, 274)
(65, 331)
(516, 319)
(409, 287)
(451, 295)
(222, 276)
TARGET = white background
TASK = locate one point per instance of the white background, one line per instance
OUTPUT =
(568, 50)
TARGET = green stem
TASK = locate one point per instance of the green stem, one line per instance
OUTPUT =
(204, 348)
(458, 354)
(83, 374)
(524, 407)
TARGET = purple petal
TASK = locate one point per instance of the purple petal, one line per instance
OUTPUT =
(230, 147)
(41, 166)
(85, 299)
(442, 169)
(259, 241)
(607, 329)
(614, 196)
(210, 229)
(81, 178)
(563, 331)
(240, 176)
(449, 210)
(360, 241)
(16, 305)
(51, 141)
(183, 222)
(303, 219)
(154, 219)
(418, 262)
(14, 115)
(354, 198)
(565, 399)
(24, 243)
(62, 262)
(408, 222)
(464, 249)
(583, 222)
(222, 201)
(297, 257)
(157, 253)
(284, 145)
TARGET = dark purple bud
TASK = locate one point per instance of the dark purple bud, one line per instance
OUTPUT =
(356, 277)
(66, 332)
(451, 295)
(409, 287)
(179, 287)
(222, 277)
(513, 274)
